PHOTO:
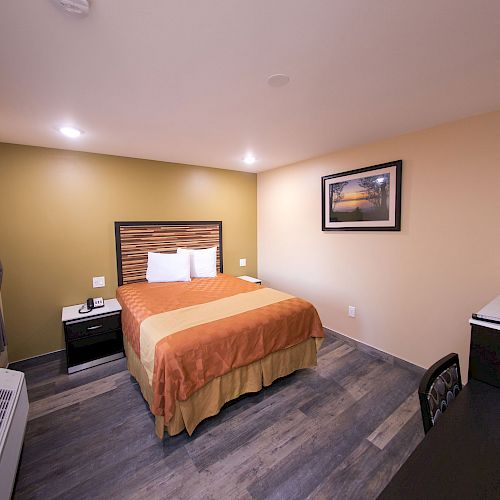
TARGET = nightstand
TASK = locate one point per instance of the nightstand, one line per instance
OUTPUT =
(257, 281)
(92, 338)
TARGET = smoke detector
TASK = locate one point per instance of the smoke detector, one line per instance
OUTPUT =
(75, 7)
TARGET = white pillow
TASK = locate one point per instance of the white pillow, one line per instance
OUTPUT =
(203, 262)
(164, 267)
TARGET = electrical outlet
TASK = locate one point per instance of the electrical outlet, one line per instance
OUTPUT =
(352, 312)
(98, 281)
(243, 262)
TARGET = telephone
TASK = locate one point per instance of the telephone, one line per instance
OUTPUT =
(91, 304)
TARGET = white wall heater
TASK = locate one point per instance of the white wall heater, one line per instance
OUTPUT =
(13, 416)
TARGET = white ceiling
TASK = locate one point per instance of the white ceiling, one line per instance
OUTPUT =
(185, 81)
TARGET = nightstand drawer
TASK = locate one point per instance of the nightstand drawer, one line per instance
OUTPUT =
(92, 326)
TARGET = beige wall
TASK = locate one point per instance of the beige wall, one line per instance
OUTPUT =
(57, 210)
(414, 290)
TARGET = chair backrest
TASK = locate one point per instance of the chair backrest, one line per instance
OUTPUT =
(439, 386)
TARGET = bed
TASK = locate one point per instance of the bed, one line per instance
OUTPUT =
(193, 346)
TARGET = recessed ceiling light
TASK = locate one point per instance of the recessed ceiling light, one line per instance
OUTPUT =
(70, 132)
(249, 159)
(278, 80)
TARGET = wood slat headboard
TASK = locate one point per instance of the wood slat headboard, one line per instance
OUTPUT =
(135, 239)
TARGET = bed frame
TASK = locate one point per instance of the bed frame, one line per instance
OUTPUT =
(135, 239)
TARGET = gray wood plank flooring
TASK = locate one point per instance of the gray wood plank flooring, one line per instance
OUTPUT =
(341, 430)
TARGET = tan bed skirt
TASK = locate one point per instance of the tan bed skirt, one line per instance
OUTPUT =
(208, 400)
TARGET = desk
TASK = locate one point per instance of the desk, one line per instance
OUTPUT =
(460, 455)
(484, 359)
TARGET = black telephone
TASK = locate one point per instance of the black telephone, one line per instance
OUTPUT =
(92, 304)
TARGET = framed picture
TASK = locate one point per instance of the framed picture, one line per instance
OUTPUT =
(366, 199)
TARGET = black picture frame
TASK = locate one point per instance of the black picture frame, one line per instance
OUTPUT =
(379, 192)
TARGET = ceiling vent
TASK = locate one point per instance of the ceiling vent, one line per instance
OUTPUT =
(74, 7)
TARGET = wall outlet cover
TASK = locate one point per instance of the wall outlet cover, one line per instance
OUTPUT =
(98, 281)
(352, 311)
(243, 262)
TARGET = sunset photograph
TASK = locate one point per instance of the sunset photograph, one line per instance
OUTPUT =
(363, 199)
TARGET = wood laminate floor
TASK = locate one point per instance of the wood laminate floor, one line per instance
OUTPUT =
(341, 430)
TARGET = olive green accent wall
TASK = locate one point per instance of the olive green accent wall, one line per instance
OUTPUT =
(57, 210)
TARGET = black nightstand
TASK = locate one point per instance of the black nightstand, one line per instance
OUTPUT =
(92, 338)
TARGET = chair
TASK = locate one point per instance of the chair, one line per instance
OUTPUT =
(439, 386)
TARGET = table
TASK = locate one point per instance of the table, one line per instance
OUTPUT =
(251, 279)
(460, 456)
(92, 338)
(484, 359)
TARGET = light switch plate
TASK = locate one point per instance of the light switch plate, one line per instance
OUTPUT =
(243, 262)
(352, 311)
(98, 281)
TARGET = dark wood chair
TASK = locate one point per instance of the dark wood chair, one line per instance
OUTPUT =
(439, 386)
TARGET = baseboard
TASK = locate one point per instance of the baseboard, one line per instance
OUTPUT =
(21, 364)
(373, 351)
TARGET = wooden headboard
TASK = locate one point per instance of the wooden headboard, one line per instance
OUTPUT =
(135, 239)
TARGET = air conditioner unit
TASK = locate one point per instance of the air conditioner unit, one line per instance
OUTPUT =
(13, 416)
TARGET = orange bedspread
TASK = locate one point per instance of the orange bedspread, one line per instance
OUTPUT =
(184, 361)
